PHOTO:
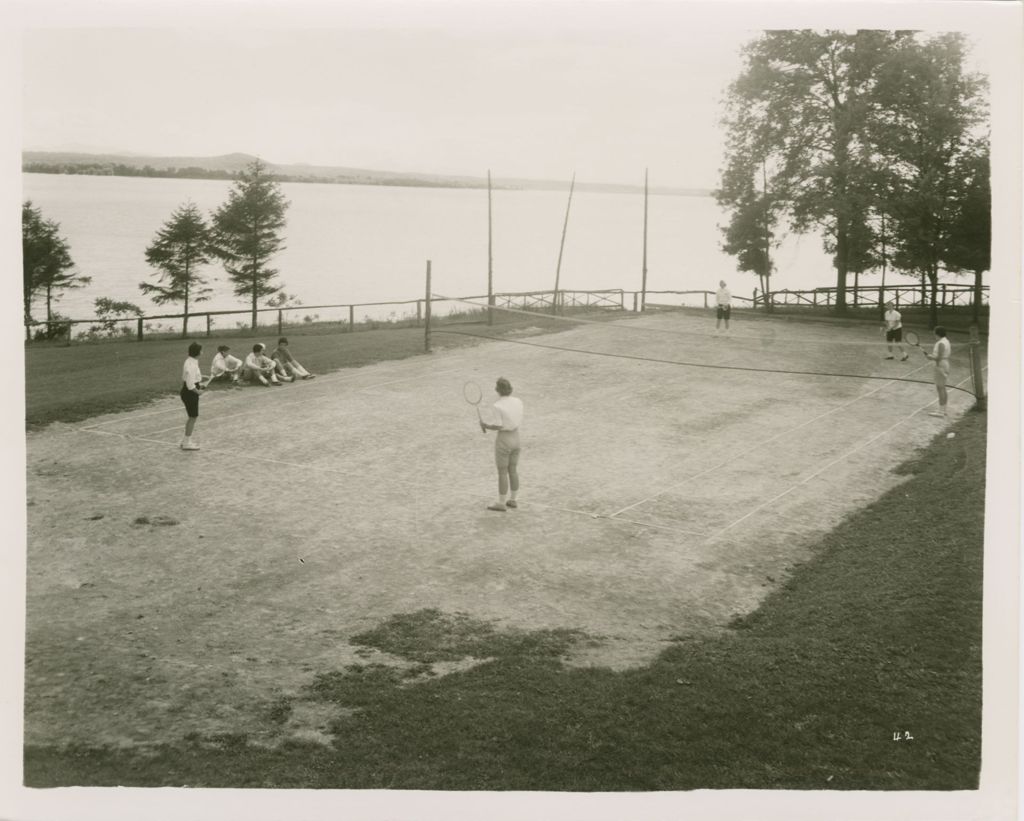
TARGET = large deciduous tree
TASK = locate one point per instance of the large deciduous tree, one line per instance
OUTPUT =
(181, 246)
(246, 234)
(925, 134)
(970, 235)
(47, 266)
(800, 107)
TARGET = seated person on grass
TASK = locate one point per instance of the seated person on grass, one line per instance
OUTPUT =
(225, 366)
(287, 363)
(259, 367)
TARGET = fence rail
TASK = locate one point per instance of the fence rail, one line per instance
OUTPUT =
(617, 299)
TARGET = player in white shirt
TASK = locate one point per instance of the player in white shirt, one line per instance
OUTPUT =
(723, 303)
(224, 364)
(940, 356)
(260, 367)
(894, 332)
(191, 385)
(509, 410)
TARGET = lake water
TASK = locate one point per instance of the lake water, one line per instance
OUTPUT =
(357, 243)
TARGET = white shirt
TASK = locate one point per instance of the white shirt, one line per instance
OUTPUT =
(893, 319)
(723, 296)
(942, 350)
(190, 373)
(257, 362)
(510, 409)
(223, 363)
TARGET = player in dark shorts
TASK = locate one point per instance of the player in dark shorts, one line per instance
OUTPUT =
(191, 385)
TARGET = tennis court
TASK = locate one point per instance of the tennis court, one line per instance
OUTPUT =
(173, 592)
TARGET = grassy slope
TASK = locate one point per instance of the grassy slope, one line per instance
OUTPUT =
(69, 384)
(880, 632)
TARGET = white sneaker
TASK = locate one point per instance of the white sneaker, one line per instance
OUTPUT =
(188, 444)
(937, 413)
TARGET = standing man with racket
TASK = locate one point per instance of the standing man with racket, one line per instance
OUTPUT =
(894, 331)
(940, 356)
(723, 303)
(509, 410)
(191, 385)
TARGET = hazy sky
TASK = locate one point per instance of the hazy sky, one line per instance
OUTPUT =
(526, 89)
(527, 102)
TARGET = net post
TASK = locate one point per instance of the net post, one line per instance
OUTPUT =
(976, 375)
(426, 314)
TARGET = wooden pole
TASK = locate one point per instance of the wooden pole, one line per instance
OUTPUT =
(490, 256)
(561, 247)
(351, 318)
(643, 282)
(426, 314)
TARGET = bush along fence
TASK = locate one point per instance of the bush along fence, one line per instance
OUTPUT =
(350, 317)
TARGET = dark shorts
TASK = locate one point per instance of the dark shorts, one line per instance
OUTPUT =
(191, 400)
(894, 335)
(723, 311)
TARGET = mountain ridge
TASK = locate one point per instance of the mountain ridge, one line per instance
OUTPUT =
(227, 165)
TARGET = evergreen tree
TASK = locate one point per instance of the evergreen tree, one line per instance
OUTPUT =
(47, 266)
(180, 247)
(246, 234)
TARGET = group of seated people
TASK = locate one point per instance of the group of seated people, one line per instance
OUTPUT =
(276, 369)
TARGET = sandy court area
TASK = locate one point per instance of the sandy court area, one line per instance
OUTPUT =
(171, 592)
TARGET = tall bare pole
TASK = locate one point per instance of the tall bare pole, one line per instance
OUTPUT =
(426, 323)
(767, 236)
(643, 282)
(565, 226)
(490, 256)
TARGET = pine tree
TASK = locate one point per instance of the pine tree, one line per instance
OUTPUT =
(180, 248)
(246, 234)
(47, 266)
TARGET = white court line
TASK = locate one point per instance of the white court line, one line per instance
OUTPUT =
(826, 467)
(768, 441)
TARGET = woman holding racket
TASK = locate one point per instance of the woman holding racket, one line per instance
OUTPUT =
(191, 385)
(940, 356)
(509, 409)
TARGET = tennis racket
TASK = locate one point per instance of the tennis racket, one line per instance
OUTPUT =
(472, 393)
(913, 339)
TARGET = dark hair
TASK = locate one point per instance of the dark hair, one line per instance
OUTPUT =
(940, 331)
(222, 348)
(195, 349)
(503, 386)
(282, 341)
(257, 347)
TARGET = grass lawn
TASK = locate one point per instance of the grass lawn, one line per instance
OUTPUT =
(879, 634)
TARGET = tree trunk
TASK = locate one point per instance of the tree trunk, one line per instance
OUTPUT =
(977, 296)
(933, 311)
(841, 255)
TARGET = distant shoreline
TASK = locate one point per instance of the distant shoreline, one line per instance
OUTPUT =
(229, 166)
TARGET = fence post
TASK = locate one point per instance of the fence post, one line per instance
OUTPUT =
(634, 301)
(139, 330)
(419, 311)
(208, 325)
(351, 318)
(280, 322)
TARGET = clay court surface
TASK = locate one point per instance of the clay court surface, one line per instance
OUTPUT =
(173, 592)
